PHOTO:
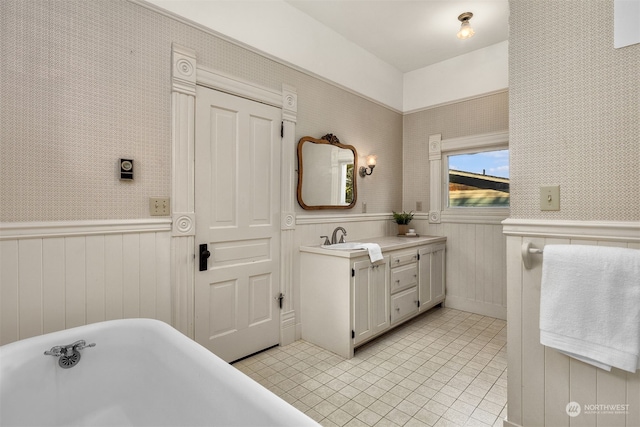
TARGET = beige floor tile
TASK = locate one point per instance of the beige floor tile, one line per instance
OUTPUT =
(352, 408)
(339, 417)
(381, 408)
(427, 417)
(369, 417)
(445, 368)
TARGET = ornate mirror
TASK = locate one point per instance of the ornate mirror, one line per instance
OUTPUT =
(326, 173)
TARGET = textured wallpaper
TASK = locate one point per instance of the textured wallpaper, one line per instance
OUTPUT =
(574, 112)
(84, 83)
(466, 118)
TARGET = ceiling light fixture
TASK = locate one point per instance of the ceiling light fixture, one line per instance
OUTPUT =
(466, 32)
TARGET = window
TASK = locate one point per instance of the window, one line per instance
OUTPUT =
(478, 179)
(469, 178)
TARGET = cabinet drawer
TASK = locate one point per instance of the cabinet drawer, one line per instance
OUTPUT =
(403, 258)
(404, 304)
(404, 277)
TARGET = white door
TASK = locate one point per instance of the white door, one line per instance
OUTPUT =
(237, 200)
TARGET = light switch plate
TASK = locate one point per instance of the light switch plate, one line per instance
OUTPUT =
(550, 198)
(159, 206)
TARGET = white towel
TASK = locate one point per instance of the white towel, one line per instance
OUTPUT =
(590, 304)
(375, 253)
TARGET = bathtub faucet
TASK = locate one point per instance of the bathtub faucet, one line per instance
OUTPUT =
(69, 355)
(67, 350)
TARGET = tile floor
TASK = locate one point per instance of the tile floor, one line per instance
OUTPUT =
(444, 368)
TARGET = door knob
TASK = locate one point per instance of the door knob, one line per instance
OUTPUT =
(204, 256)
(279, 298)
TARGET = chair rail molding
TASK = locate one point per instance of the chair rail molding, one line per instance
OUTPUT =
(625, 231)
(46, 229)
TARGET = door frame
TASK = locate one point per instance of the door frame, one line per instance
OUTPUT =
(186, 74)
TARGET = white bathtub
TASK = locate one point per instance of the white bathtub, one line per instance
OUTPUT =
(141, 372)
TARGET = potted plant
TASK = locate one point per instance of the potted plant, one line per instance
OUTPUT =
(403, 219)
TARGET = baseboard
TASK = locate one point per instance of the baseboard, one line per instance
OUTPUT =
(506, 423)
(287, 328)
(298, 331)
(477, 307)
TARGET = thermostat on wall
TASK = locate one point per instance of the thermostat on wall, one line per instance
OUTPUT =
(126, 169)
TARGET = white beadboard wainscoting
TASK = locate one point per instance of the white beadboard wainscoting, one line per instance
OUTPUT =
(59, 275)
(56, 276)
(476, 262)
(542, 381)
(476, 267)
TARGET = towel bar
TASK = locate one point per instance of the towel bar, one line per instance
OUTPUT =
(527, 251)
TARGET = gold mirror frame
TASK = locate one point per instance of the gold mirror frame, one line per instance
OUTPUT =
(328, 140)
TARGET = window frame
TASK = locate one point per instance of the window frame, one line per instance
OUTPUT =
(439, 185)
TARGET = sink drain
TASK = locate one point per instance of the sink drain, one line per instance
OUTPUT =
(66, 362)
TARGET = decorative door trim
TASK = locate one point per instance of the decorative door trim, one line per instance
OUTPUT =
(186, 74)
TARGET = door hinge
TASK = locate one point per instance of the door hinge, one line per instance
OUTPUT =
(353, 272)
(281, 129)
(353, 334)
(418, 257)
(418, 303)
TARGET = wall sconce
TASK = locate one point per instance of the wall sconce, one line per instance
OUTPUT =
(371, 163)
(466, 32)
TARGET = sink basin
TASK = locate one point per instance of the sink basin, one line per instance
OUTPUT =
(349, 246)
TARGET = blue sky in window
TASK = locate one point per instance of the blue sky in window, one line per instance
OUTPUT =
(495, 163)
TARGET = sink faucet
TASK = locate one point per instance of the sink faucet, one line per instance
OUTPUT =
(333, 236)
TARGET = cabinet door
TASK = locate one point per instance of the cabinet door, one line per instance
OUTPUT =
(431, 275)
(380, 311)
(362, 301)
(370, 299)
(438, 274)
(424, 279)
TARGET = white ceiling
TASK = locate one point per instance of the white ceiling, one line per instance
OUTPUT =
(411, 34)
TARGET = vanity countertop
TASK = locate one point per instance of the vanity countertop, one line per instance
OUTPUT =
(387, 243)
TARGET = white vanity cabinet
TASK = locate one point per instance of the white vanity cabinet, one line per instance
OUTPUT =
(345, 300)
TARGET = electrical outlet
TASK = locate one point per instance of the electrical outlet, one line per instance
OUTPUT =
(159, 206)
(364, 207)
(419, 206)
